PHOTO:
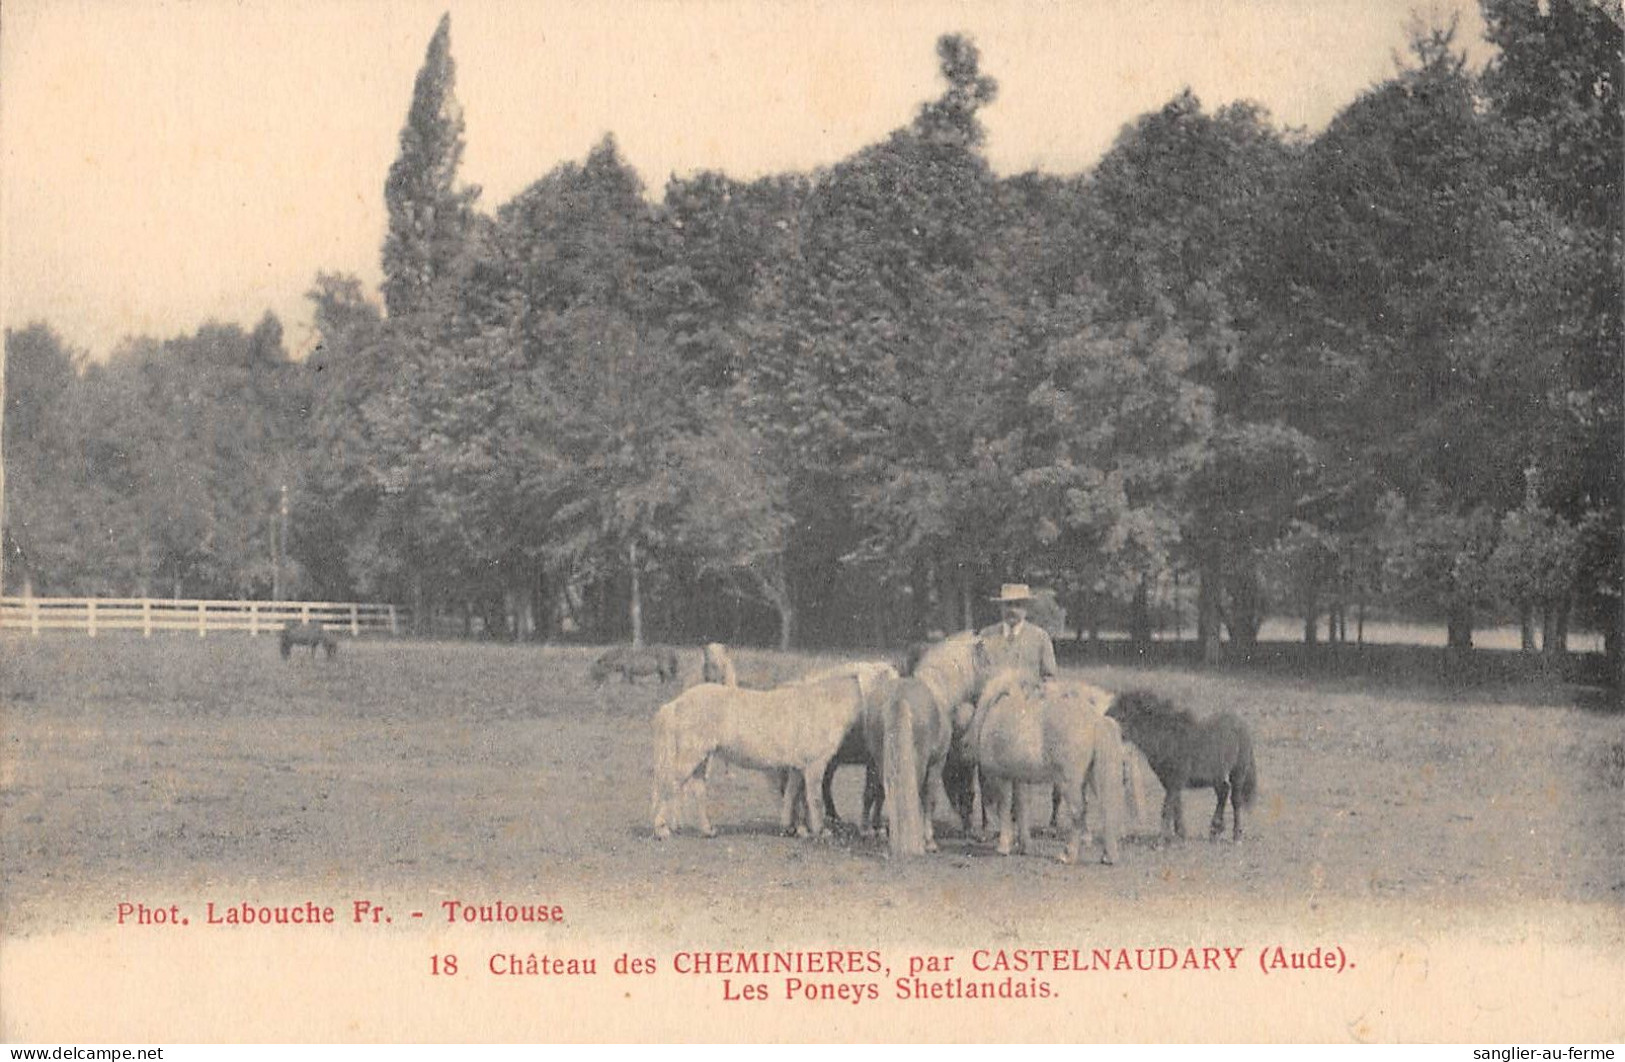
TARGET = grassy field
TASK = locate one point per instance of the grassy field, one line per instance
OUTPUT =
(1467, 846)
(184, 763)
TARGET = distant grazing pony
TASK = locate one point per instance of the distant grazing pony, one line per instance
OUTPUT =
(312, 634)
(1187, 754)
(717, 666)
(1058, 736)
(632, 662)
(797, 727)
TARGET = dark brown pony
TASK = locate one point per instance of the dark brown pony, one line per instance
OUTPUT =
(1187, 754)
(312, 634)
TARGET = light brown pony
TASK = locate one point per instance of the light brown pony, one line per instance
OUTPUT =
(871, 677)
(910, 730)
(792, 727)
(1059, 736)
(717, 666)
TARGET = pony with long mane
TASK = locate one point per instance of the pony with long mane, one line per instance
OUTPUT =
(1187, 754)
(910, 731)
(1059, 736)
(795, 727)
(854, 748)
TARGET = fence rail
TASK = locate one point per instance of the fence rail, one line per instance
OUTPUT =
(95, 615)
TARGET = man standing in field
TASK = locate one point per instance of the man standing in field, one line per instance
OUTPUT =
(1014, 643)
(1025, 647)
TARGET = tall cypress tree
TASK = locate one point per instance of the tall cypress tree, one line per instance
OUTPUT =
(429, 214)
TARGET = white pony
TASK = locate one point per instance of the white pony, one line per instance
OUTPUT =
(1058, 735)
(797, 727)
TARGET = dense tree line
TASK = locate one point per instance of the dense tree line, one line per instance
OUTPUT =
(1378, 364)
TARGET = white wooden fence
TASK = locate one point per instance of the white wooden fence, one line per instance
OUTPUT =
(95, 615)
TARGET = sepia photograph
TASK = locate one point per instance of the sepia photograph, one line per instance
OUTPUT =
(706, 521)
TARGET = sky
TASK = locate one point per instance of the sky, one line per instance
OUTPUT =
(167, 163)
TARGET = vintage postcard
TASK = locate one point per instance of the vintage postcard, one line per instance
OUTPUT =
(730, 521)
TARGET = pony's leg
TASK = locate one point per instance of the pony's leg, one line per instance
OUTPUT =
(1024, 817)
(1170, 804)
(1221, 789)
(928, 802)
(829, 797)
(696, 785)
(793, 798)
(662, 804)
(874, 800)
(814, 808)
(1004, 797)
(1178, 797)
(1105, 777)
(1235, 812)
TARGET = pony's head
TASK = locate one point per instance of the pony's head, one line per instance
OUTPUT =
(955, 668)
(1133, 706)
(999, 685)
(717, 666)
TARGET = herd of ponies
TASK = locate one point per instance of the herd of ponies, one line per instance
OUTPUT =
(947, 716)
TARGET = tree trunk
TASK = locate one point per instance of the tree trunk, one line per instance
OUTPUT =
(787, 624)
(1555, 633)
(1311, 623)
(1207, 609)
(1459, 629)
(1140, 621)
(1246, 613)
(1526, 627)
(637, 596)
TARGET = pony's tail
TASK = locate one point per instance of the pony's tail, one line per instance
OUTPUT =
(1108, 777)
(903, 815)
(1246, 782)
(1134, 792)
(665, 767)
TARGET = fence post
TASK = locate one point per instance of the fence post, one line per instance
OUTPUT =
(253, 619)
(304, 614)
(355, 620)
(90, 617)
(393, 629)
(201, 619)
(146, 618)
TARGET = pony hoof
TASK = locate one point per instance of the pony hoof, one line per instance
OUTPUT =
(708, 832)
(1004, 849)
(931, 846)
(661, 833)
(1108, 861)
(1064, 858)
